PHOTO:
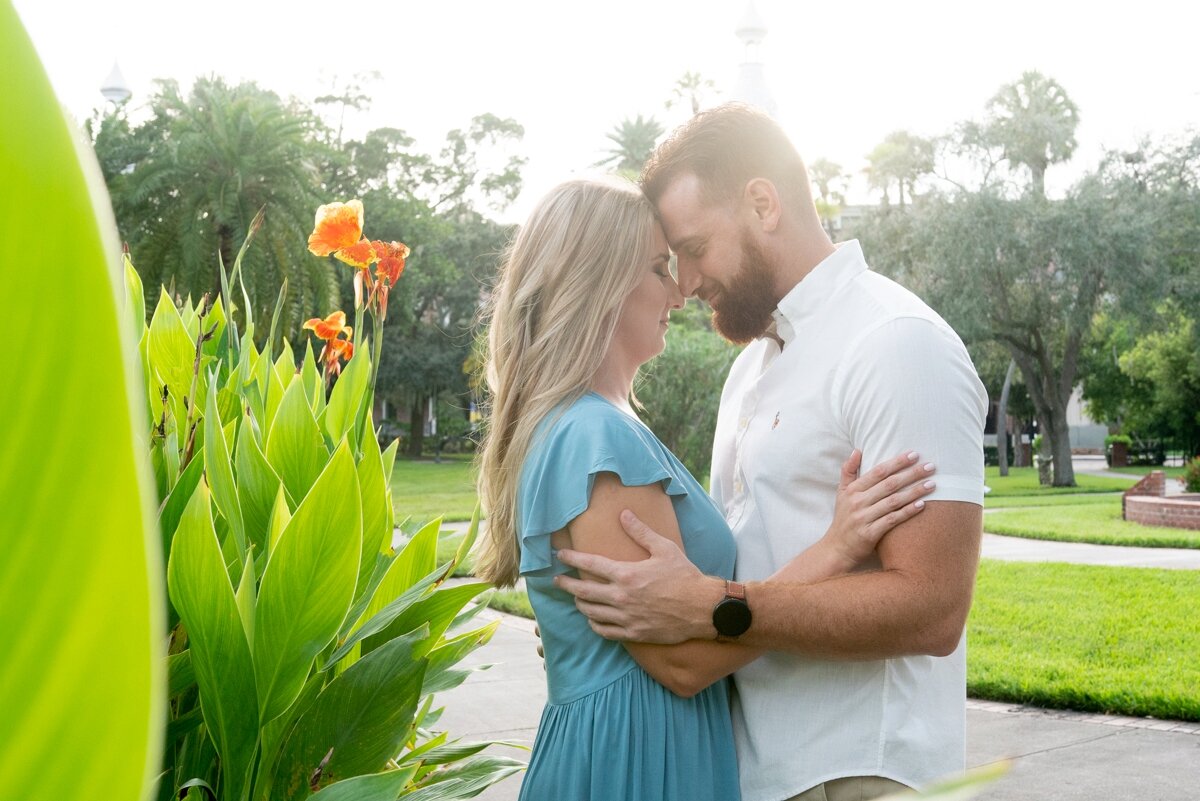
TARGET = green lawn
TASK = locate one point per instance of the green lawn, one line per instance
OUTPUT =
(424, 489)
(1024, 481)
(1098, 523)
(1120, 640)
(1078, 499)
(1141, 470)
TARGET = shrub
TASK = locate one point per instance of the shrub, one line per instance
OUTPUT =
(1191, 475)
(304, 650)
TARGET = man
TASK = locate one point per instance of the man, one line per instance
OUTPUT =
(863, 691)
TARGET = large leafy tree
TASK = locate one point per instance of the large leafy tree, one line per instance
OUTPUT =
(901, 159)
(432, 202)
(194, 177)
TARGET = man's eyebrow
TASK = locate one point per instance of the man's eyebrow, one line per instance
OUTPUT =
(687, 242)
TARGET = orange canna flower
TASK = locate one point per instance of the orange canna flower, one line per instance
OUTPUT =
(391, 257)
(342, 348)
(330, 327)
(338, 226)
(360, 254)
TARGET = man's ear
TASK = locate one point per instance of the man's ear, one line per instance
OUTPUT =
(762, 199)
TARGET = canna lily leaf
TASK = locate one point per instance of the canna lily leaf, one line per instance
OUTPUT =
(257, 486)
(363, 715)
(385, 786)
(308, 583)
(218, 467)
(81, 596)
(201, 591)
(295, 447)
(347, 397)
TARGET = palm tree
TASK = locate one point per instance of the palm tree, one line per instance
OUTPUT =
(690, 88)
(633, 142)
(901, 158)
(1034, 121)
(827, 178)
(217, 157)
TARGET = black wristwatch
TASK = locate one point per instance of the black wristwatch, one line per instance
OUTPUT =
(731, 615)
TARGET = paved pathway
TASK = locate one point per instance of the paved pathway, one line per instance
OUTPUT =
(1055, 756)
(1058, 756)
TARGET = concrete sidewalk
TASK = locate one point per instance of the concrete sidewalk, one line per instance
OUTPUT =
(1056, 756)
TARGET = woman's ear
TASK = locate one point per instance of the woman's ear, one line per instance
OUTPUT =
(762, 198)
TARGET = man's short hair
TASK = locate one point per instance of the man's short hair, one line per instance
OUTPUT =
(726, 147)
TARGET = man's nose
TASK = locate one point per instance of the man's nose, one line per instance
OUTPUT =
(688, 280)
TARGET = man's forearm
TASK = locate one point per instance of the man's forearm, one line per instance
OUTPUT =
(875, 615)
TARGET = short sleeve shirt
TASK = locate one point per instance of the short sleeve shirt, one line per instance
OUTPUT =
(865, 364)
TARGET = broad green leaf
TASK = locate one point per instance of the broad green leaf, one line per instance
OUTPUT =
(437, 611)
(135, 300)
(257, 487)
(281, 515)
(389, 460)
(216, 347)
(417, 559)
(348, 393)
(310, 374)
(364, 715)
(81, 598)
(308, 584)
(170, 452)
(200, 589)
(271, 387)
(177, 501)
(384, 786)
(468, 541)
(467, 779)
(172, 354)
(275, 731)
(442, 673)
(295, 447)
(245, 597)
(385, 616)
(218, 467)
(377, 535)
(453, 752)
(180, 674)
(285, 365)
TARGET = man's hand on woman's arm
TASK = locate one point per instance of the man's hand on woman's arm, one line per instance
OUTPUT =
(665, 599)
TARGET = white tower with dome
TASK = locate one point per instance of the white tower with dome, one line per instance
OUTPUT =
(751, 85)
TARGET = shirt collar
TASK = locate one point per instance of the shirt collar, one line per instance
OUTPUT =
(814, 290)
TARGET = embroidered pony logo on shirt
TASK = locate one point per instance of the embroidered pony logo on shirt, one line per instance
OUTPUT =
(775, 424)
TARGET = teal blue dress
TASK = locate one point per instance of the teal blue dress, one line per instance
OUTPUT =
(609, 731)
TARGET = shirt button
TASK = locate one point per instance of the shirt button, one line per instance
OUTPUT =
(737, 485)
(743, 422)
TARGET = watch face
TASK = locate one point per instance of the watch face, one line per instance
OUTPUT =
(731, 617)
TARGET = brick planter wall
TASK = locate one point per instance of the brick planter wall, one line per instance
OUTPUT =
(1177, 511)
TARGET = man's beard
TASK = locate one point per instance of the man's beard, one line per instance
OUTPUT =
(742, 309)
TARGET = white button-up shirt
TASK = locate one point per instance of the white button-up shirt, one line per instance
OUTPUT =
(865, 364)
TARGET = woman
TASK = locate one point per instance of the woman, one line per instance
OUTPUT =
(583, 301)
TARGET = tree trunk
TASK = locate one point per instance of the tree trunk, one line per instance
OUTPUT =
(416, 428)
(1051, 405)
(1060, 445)
(1002, 419)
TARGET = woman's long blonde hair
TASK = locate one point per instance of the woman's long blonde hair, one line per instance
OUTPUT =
(550, 321)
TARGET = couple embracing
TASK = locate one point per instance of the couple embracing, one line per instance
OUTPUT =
(827, 575)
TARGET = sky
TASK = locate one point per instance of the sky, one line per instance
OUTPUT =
(843, 75)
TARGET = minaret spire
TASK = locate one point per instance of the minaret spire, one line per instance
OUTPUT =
(751, 86)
